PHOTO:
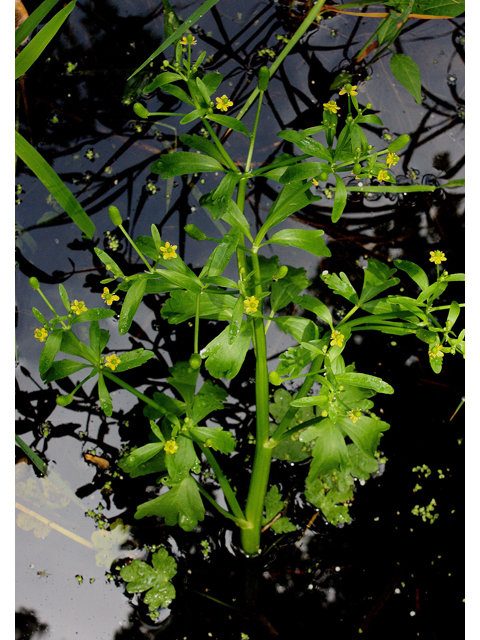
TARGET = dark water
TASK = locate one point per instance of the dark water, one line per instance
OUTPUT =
(388, 573)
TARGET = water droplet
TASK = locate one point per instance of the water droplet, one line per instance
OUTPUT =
(451, 79)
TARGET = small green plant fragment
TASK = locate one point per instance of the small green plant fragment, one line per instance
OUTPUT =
(273, 506)
(155, 579)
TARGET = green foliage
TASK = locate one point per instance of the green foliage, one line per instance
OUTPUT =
(155, 579)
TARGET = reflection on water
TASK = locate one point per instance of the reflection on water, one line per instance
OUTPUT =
(76, 109)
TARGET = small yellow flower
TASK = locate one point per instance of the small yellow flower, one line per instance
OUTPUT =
(41, 334)
(383, 175)
(188, 39)
(171, 446)
(168, 251)
(78, 307)
(354, 415)
(437, 257)
(109, 297)
(392, 160)
(112, 361)
(337, 339)
(349, 90)
(315, 182)
(223, 103)
(250, 304)
(436, 351)
(331, 106)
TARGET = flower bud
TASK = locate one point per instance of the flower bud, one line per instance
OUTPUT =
(357, 168)
(195, 361)
(263, 78)
(194, 232)
(115, 216)
(140, 110)
(274, 378)
(369, 105)
(281, 273)
(324, 176)
(324, 413)
(34, 283)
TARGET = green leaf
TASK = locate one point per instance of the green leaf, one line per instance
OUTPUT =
(184, 460)
(315, 306)
(130, 305)
(36, 46)
(301, 329)
(141, 455)
(231, 123)
(33, 20)
(181, 306)
(377, 277)
(306, 144)
(273, 506)
(340, 199)
(204, 146)
(225, 359)
(161, 80)
(181, 505)
(298, 172)
(416, 273)
(93, 315)
(104, 396)
(407, 73)
(217, 201)
(63, 368)
(399, 143)
(341, 285)
(179, 93)
(292, 198)
(210, 398)
(286, 290)
(306, 239)
(181, 280)
(184, 380)
(451, 8)
(217, 438)
(140, 576)
(365, 433)
(235, 218)
(453, 313)
(39, 316)
(194, 115)
(54, 184)
(109, 263)
(370, 118)
(365, 381)
(49, 351)
(181, 163)
(94, 335)
(332, 499)
(212, 81)
(329, 452)
(64, 297)
(177, 34)
(133, 359)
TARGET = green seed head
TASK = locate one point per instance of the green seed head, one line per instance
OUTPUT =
(34, 283)
(115, 216)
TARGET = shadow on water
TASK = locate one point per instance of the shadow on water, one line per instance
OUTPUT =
(388, 573)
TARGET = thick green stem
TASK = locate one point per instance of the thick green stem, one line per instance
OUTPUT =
(263, 454)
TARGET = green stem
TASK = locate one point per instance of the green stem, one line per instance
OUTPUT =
(128, 387)
(263, 454)
(135, 247)
(197, 324)
(350, 313)
(239, 522)
(220, 147)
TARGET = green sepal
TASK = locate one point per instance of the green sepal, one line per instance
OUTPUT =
(130, 305)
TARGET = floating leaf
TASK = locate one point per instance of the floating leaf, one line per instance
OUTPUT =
(155, 579)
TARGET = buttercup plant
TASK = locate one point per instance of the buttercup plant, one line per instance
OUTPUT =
(330, 419)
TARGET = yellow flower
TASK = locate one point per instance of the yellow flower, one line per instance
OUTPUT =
(171, 446)
(315, 182)
(40, 334)
(436, 351)
(78, 307)
(109, 297)
(354, 415)
(392, 160)
(337, 339)
(168, 251)
(349, 90)
(188, 39)
(223, 103)
(250, 304)
(437, 256)
(331, 106)
(383, 175)
(112, 361)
